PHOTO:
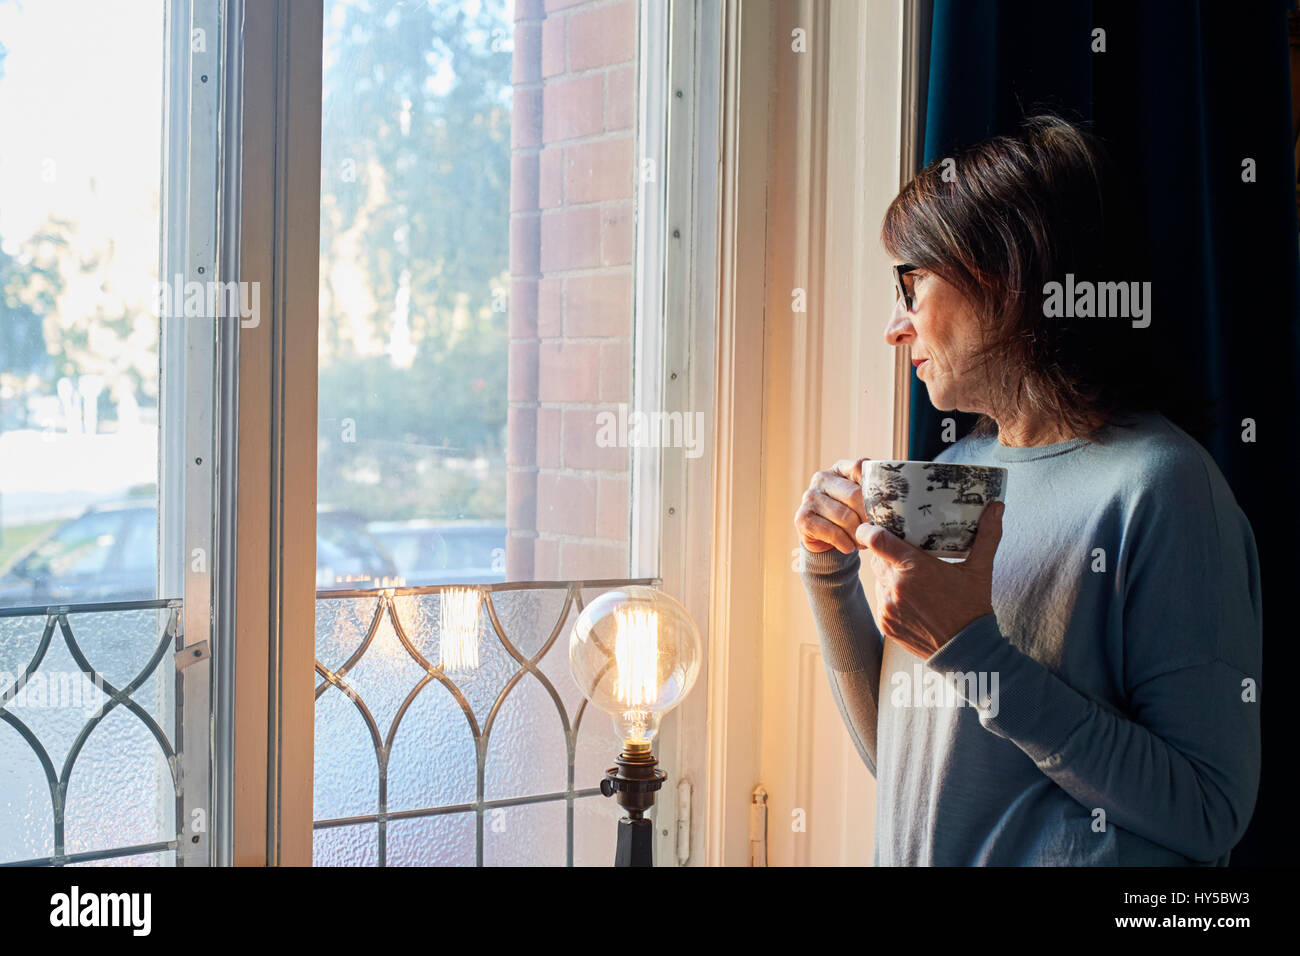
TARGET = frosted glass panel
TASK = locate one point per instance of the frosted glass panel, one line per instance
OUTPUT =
(443, 840)
(346, 774)
(531, 834)
(26, 813)
(384, 677)
(19, 638)
(434, 761)
(120, 790)
(595, 830)
(529, 616)
(118, 644)
(165, 858)
(340, 628)
(527, 752)
(56, 703)
(120, 793)
(346, 846)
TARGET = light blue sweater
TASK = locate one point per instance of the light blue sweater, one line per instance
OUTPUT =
(1120, 718)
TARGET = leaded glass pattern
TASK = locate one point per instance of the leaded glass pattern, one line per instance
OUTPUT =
(89, 725)
(498, 765)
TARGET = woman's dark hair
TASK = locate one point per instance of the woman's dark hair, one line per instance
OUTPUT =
(999, 221)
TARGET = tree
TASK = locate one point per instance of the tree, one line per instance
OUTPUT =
(415, 211)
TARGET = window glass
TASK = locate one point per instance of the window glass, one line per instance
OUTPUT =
(82, 546)
(79, 254)
(476, 326)
(82, 135)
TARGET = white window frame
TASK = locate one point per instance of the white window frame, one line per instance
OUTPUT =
(186, 446)
(270, 234)
(680, 53)
(810, 153)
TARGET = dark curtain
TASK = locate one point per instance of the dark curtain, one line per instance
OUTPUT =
(1184, 92)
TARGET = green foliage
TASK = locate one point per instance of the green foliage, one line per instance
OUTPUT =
(415, 182)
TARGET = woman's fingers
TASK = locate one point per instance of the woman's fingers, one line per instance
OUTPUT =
(837, 483)
(832, 508)
(816, 528)
(851, 468)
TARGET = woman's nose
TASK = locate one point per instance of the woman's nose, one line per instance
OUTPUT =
(899, 331)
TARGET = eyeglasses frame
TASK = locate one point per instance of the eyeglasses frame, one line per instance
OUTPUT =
(900, 270)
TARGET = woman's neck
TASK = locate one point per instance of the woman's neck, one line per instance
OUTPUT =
(1034, 430)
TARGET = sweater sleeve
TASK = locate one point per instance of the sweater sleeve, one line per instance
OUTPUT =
(851, 645)
(1180, 764)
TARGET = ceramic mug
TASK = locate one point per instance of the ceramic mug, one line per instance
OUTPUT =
(933, 505)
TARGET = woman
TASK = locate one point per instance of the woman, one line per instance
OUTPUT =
(1113, 601)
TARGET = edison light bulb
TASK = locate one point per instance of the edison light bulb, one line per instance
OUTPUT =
(635, 653)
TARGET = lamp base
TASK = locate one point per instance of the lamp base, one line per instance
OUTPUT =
(635, 780)
(635, 843)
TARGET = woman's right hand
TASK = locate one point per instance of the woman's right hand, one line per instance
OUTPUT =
(832, 508)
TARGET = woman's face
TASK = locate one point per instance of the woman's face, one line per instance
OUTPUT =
(944, 335)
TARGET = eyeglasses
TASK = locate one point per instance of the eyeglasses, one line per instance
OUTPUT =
(905, 284)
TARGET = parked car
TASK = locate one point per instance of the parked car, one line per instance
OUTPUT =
(430, 552)
(110, 553)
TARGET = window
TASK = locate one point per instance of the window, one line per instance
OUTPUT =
(103, 387)
(79, 262)
(478, 308)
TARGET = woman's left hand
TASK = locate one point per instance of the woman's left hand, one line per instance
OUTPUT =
(921, 601)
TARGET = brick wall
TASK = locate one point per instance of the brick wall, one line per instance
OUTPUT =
(571, 236)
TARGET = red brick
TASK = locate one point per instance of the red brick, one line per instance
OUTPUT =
(546, 559)
(591, 561)
(597, 172)
(550, 308)
(616, 235)
(519, 556)
(613, 507)
(523, 308)
(583, 434)
(553, 45)
(615, 371)
(566, 504)
(598, 305)
(523, 182)
(521, 436)
(525, 243)
(567, 371)
(602, 36)
(526, 61)
(521, 498)
(526, 117)
(550, 174)
(549, 437)
(620, 99)
(572, 239)
(572, 108)
(521, 372)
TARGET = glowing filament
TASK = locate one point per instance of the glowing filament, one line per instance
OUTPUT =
(459, 617)
(636, 655)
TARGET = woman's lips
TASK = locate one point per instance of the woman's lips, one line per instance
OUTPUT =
(917, 363)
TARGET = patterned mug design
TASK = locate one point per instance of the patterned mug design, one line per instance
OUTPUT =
(933, 505)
